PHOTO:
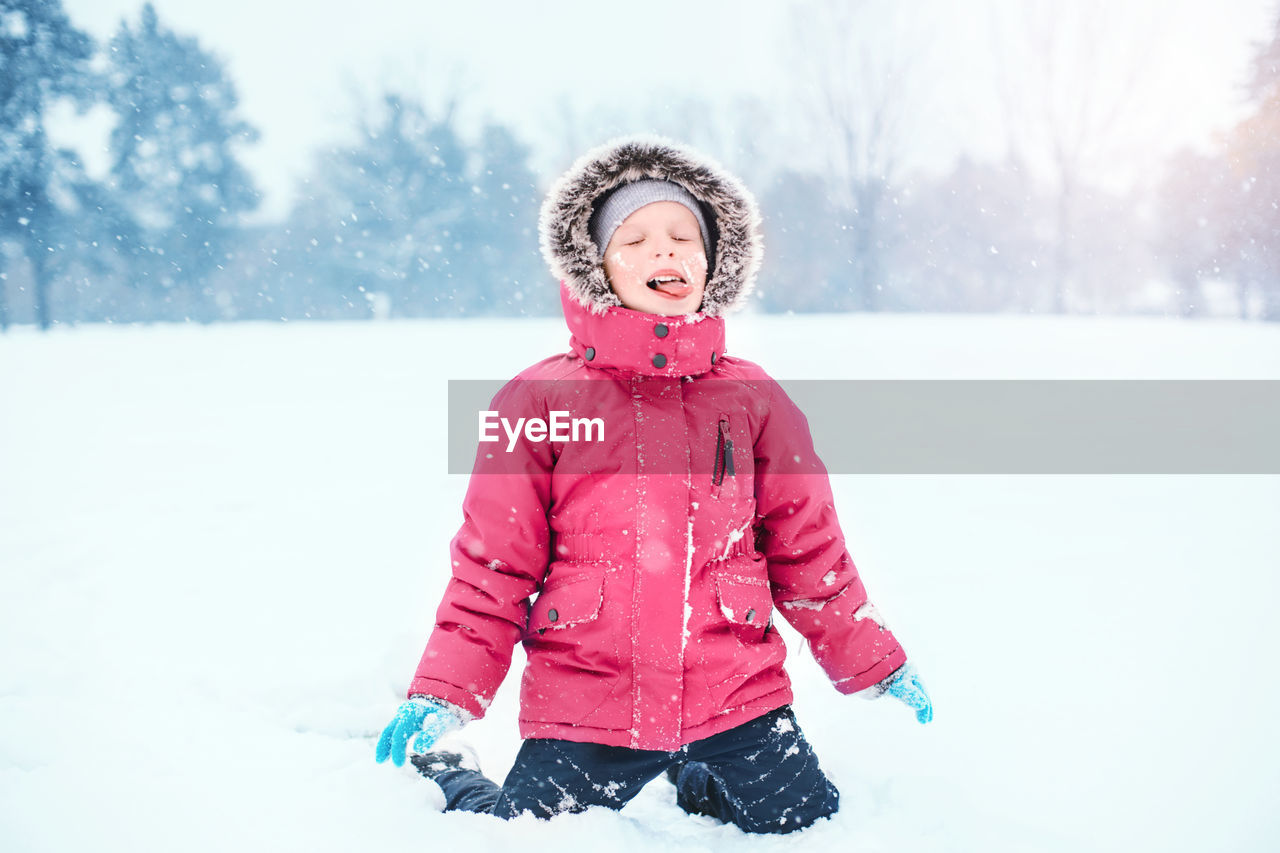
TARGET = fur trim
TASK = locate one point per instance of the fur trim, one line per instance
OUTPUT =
(573, 256)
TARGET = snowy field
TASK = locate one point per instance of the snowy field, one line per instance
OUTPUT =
(221, 550)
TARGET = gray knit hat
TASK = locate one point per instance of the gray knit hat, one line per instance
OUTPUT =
(628, 198)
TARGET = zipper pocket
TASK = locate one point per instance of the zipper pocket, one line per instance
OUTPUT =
(724, 452)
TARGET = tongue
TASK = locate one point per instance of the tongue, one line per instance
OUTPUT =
(672, 288)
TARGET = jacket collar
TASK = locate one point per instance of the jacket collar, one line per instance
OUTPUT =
(649, 344)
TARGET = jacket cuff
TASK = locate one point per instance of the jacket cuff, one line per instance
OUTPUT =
(468, 706)
(875, 676)
(464, 716)
(881, 687)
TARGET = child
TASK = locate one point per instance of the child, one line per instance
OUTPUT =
(656, 555)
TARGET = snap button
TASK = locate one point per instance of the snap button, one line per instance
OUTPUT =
(659, 360)
(751, 614)
(590, 353)
(553, 615)
(661, 330)
(713, 358)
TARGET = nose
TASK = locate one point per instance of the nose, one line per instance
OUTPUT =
(665, 247)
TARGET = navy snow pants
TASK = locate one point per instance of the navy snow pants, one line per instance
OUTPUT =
(762, 776)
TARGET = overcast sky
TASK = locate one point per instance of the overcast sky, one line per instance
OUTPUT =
(301, 67)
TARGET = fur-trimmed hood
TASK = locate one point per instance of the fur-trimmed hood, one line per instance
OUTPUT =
(574, 257)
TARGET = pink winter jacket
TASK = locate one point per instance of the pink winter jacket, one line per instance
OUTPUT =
(642, 571)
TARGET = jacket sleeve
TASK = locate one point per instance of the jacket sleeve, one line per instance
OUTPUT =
(499, 557)
(815, 583)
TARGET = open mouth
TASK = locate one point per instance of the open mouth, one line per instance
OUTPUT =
(670, 285)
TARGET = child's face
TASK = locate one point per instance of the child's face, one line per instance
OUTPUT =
(655, 261)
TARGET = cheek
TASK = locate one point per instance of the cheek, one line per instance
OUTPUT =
(620, 262)
(613, 264)
(620, 271)
(695, 265)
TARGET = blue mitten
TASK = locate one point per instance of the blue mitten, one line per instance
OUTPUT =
(426, 717)
(905, 685)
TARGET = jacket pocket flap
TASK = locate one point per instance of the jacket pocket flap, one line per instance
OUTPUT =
(568, 602)
(744, 601)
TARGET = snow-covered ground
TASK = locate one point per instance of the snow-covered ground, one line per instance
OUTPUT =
(221, 549)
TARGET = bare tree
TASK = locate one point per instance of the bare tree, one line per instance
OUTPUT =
(1069, 77)
(859, 63)
(1253, 158)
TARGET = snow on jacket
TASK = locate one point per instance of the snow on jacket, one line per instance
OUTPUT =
(642, 570)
